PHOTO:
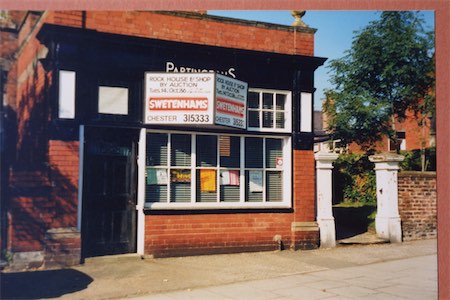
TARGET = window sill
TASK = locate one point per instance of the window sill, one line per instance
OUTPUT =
(216, 206)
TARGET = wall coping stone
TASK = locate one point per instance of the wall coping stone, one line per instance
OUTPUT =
(417, 174)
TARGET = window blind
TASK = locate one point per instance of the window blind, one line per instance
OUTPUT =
(253, 152)
(206, 150)
(233, 159)
(273, 151)
(156, 149)
(181, 150)
(274, 186)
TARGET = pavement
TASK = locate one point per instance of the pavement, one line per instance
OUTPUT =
(372, 271)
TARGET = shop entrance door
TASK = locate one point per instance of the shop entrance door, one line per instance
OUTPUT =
(109, 192)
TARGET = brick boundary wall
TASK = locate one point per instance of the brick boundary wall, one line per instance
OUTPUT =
(417, 204)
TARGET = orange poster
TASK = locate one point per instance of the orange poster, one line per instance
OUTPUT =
(207, 180)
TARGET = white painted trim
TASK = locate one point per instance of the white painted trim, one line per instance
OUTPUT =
(66, 94)
(306, 112)
(287, 171)
(80, 176)
(193, 168)
(140, 232)
(215, 205)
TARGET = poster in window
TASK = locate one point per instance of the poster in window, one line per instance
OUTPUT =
(256, 181)
(156, 176)
(229, 177)
(180, 176)
(207, 181)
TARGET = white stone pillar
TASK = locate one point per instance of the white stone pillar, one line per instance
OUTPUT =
(387, 221)
(324, 184)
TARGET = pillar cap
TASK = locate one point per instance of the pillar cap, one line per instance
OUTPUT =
(326, 156)
(386, 157)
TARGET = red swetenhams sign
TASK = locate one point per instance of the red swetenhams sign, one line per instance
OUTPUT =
(195, 98)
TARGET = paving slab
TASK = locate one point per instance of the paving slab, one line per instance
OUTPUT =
(318, 285)
(280, 274)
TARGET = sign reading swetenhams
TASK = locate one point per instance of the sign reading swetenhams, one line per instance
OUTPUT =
(231, 102)
(195, 98)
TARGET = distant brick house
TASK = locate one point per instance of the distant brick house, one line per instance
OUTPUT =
(411, 134)
(84, 173)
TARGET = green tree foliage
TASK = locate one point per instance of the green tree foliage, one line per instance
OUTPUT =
(355, 178)
(413, 160)
(389, 69)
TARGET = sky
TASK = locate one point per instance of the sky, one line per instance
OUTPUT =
(335, 31)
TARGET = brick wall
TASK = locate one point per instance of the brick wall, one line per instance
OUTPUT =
(417, 204)
(43, 175)
(64, 165)
(193, 28)
(29, 209)
(305, 232)
(416, 136)
(188, 234)
(43, 210)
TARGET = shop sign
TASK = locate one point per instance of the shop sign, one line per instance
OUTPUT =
(195, 98)
(174, 98)
(231, 102)
(172, 67)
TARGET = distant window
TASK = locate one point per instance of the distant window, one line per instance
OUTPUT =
(66, 95)
(401, 142)
(269, 110)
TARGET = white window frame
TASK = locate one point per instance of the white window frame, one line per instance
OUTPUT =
(242, 204)
(287, 111)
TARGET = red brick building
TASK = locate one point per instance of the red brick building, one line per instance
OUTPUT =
(86, 174)
(414, 132)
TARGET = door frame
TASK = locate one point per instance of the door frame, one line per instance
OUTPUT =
(140, 230)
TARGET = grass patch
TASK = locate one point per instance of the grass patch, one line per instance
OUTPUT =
(354, 204)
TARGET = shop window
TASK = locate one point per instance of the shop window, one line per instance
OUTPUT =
(66, 95)
(269, 110)
(216, 171)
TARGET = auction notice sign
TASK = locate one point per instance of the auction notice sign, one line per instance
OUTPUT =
(195, 98)
(231, 102)
(179, 98)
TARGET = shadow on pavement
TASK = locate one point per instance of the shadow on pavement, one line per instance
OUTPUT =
(42, 284)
